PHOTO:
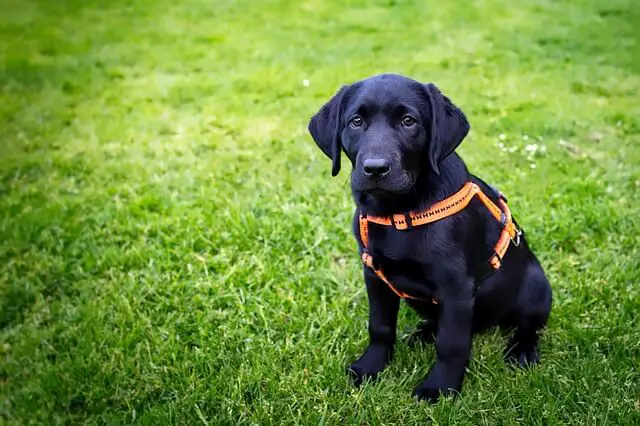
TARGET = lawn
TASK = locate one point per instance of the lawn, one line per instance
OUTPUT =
(173, 249)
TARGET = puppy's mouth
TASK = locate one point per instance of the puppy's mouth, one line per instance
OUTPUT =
(396, 183)
(381, 192)
(383, 188)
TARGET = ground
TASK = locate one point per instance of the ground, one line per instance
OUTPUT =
(174, 250)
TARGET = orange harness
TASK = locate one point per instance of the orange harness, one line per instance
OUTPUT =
(440, 210)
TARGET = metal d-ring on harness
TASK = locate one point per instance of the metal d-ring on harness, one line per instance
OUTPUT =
(445, 208)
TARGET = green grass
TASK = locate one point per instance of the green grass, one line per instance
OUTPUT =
(173, 249)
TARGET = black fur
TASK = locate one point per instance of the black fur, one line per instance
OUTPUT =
(415, 129)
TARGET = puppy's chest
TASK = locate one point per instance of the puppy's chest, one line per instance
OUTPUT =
(397, 246)
(405, 262)
(400, 253)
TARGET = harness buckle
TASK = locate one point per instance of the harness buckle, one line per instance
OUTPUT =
(402, 221)
(516, 238)
(367, 260)
(503, 219)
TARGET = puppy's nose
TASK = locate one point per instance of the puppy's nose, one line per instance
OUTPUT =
(376, 167)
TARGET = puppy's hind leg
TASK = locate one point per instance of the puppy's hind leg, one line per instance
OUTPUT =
(427, 328)
(530, 315)
(425, 332)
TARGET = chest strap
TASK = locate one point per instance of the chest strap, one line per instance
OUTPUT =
(438, 211)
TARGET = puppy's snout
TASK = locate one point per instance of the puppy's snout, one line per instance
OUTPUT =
(376, 167)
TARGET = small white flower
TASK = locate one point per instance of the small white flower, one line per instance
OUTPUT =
(306, 83)
(532, 165)
(525, 137)
(502, 136)
(532, 148)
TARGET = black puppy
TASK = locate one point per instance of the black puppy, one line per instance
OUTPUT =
(400, 136)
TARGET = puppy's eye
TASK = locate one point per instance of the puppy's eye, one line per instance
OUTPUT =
(408, 121)
(355, 121)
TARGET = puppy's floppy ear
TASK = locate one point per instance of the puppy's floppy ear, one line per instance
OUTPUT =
(449, 126)
(325, 129)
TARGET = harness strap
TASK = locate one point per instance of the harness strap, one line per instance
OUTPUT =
(368, 260)
(447, 207)
(509, 234)
(502, 213)
(364, 231)
(439, 210)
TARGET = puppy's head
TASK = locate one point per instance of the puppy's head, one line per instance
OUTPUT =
(392, 128)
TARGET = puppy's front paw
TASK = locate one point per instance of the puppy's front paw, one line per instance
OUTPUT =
(523, 356)
(360, 373)
(430, 390)
(372, 362)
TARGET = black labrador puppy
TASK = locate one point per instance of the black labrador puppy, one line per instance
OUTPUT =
(400, 136)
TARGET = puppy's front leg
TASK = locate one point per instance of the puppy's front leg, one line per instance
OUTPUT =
(383, 316)
(453, 345)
